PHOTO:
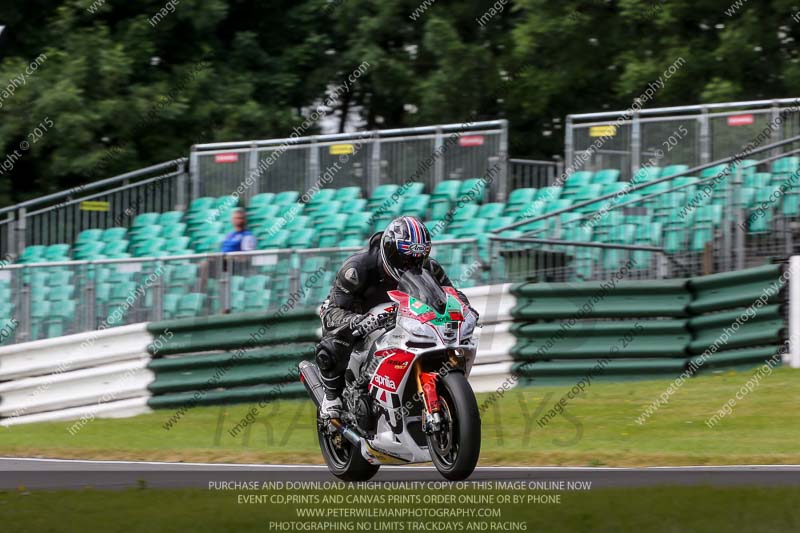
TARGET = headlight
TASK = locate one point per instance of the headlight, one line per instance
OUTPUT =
(416, 328)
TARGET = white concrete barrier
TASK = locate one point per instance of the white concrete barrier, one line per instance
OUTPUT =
(85, 387)
(117, 409)
(72, 352)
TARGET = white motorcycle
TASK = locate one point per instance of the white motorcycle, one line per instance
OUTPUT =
(406, 398)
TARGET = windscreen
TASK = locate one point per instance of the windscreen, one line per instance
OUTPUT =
(421, 285)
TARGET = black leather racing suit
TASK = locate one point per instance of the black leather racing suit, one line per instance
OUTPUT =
(360, 285)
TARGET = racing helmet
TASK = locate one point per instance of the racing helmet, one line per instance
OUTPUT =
(405, 244)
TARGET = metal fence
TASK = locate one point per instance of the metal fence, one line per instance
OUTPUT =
(59, 298)
(426, 155)
(740, 212)
(625, 140)
(60, 217)
(532, 173)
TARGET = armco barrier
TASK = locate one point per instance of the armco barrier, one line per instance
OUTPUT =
(648, 328)
(560, 332)
(230, 358)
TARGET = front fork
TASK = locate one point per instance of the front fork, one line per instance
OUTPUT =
(426, 389)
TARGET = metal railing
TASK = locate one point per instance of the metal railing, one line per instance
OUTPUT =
(728, 243)
(60, 217)
(532, 173)
(556, 260)
(427, 155)
(66, 297)
(706, 132)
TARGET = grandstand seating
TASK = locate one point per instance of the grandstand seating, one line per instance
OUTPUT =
(336, 218)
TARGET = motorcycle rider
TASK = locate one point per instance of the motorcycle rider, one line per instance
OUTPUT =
(362, 283)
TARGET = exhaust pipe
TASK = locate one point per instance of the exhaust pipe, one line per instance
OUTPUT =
(309, 376)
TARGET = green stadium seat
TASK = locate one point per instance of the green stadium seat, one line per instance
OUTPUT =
(89, 251)
(61, 293)
(191, 305)
(416, 205)
(757, 180)
(145, 219)
(286, 197)
(356, 205)
(87, 236)
(170, 217)
(279, 239)
(178, 246)
(438, 211)
(298, 222)
(322, 196)
(330, 229)
(115, 248)
(382, 194)
(256, 300)
(255, 283)
(576, 180)
(56, 252)
(358, 225)
(605, 176)
(62, 276)
(201, 204)
(645, 174)
(672, 170)
(786, 165)
(446, 191)
(143, 233)
(491, 210)
(472, 190)
(717, 170)
(260, 200)
(345, 194)
(149, 248)
(207, 243)
(173, 231)
(304, 238)
(519, 200)
(114, 234)
(169, 305)
(224, 204)
(291, 209)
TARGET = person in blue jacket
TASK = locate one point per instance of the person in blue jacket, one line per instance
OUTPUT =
(240, 239)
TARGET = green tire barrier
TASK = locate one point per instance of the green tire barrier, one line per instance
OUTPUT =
(638, 329)
(246, 357)
(654, 338)
(600, 299)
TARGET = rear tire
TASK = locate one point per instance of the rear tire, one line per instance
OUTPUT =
(456, 447)
(343, 459)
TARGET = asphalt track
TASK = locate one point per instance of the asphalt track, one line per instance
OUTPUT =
(76, 474)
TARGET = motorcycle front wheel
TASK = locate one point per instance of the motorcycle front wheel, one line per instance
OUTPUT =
(343, 459)
(456, 446)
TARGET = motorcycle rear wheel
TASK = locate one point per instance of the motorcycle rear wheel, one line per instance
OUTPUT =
(343, 459)
(456, 447)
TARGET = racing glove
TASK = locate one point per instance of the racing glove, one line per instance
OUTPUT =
(363, 325)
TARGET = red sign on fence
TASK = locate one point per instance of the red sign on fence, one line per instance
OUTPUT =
(226, 158)
(471, 140)
(740, 120)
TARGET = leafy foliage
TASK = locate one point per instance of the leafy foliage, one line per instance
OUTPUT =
(127, 87)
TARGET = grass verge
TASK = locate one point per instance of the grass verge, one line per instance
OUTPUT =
(598, 427)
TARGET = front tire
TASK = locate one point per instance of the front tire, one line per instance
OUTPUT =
(456, 447)
(343, 459)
